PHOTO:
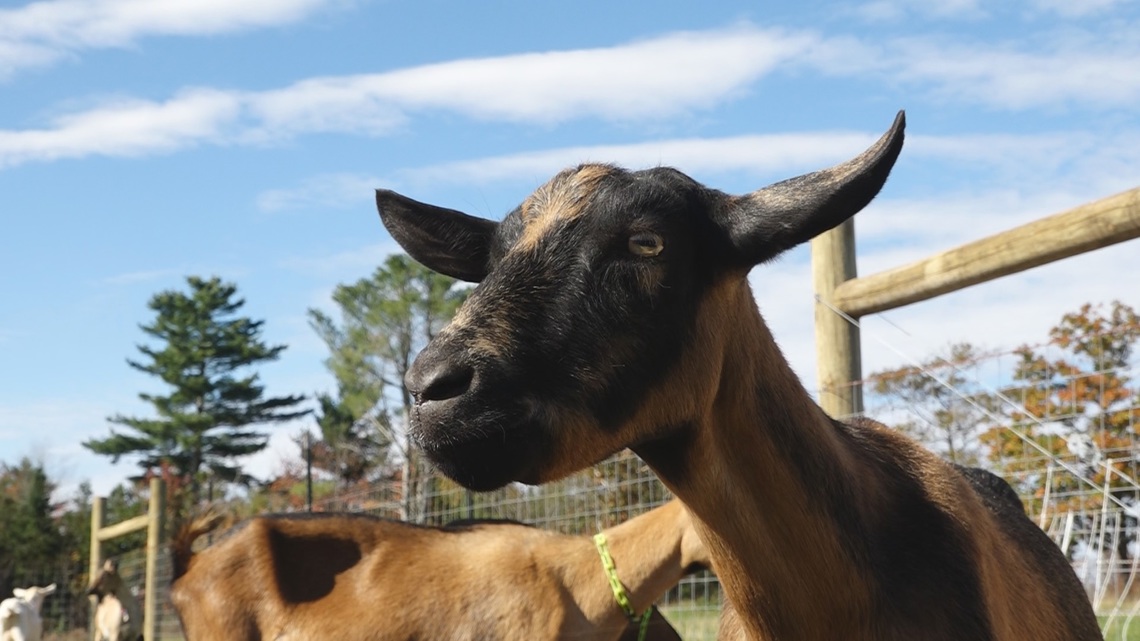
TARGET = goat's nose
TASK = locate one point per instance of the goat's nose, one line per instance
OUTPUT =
(438, 379)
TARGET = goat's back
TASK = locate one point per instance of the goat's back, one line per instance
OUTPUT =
(1054, 572)
(965, 555)
(334, 576)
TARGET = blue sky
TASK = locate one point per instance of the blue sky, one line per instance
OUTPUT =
(145, 140)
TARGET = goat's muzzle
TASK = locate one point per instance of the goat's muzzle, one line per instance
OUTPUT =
(471, 424)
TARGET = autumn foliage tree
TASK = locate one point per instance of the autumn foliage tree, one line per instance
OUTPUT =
(940, 414)
(1074, 397)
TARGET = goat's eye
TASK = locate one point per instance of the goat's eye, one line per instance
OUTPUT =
(645, 244)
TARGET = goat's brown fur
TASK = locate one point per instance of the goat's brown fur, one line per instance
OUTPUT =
(782, 556)
(355, 577)
(820, 529)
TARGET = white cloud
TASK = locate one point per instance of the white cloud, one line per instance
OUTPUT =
(144, 276)
(893, 10)
(754, 154)
(1076, 9)
(1100, 73)
(52, 430)
(125, 127)
(645, 79)
(40, 33)
(1062, 168)
(360, 260)
(1080, 157)
(649, 79)
(325, 191)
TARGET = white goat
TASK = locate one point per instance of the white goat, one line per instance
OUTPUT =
(20, 616)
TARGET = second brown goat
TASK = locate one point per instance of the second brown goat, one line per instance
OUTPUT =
(350, 577)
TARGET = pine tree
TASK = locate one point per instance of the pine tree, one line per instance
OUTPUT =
(386, 319)
(206, 421)
(349, 448)
(30, 541)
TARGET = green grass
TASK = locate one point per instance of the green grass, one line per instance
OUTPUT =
(700, 624)
(1116, 630)
(693, 623)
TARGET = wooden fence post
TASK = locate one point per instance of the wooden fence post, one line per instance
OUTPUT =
(157, 521)
(95, 558)
(838, 358)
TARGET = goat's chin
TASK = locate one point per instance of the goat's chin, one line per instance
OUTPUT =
(487, 460)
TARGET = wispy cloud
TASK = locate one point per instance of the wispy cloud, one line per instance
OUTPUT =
(754, 154)
(356, 260)
(126, 127)
(146, 276)
(1079, 163)
(1070, 9)
(893, 10)
(652, 79)
(41, 33)
(325, 191)
(761, 154)
(1098, 72)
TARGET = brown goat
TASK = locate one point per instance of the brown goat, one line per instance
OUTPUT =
(613, 310)
(346, 577)
(118, 615)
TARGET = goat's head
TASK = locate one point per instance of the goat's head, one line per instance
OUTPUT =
(34, 595)
(590, 294)
(107, 581)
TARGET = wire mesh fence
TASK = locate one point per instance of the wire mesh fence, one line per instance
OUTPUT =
(1060, 421)
(1063, 433)
(66, 612)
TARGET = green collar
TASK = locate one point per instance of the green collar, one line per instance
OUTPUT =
(620, 595)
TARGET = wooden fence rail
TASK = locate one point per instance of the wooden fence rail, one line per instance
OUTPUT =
(1082, 229)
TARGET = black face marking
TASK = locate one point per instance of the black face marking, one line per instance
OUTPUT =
(572, 319)
(569, 328)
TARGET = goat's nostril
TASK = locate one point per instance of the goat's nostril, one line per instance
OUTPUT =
(446, 382)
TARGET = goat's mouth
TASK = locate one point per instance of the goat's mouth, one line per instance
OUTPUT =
(481, 454)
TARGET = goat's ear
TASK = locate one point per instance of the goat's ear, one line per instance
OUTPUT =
(50, 589)
(444, 240)
(765, 223)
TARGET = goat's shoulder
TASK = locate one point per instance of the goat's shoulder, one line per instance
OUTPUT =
(1040, 552)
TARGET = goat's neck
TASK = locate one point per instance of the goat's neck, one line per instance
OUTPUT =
(763, 471)
(651, 552)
